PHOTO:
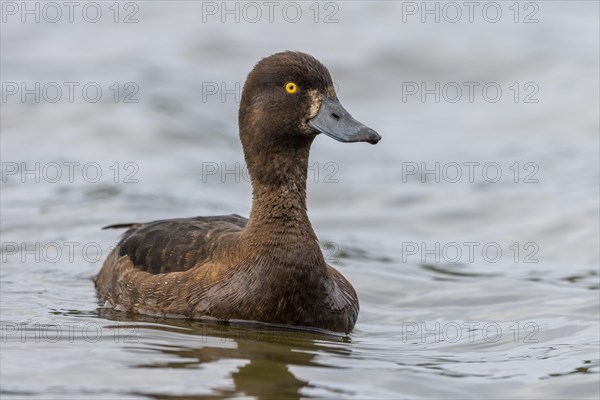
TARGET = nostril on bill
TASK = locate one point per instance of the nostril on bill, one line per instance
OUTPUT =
(335, 116)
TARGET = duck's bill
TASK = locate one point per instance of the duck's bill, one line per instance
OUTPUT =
(334, 121)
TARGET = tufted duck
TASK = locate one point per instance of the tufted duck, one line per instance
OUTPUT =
(266, 268)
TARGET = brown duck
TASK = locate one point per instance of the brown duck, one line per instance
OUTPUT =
(266, 268)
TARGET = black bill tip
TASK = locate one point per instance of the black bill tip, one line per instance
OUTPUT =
(372, 136)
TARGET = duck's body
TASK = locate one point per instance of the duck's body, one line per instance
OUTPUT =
(193, 268)
(268, 268)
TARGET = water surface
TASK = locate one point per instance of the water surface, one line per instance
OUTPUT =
(440, 317)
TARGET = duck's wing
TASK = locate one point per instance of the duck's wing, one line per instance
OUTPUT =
(174, 245)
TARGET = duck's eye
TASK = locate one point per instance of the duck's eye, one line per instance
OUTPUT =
(291, 87)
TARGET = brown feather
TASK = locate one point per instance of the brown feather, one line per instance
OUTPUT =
(267, 268)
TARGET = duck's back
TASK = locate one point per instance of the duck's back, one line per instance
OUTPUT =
(173, 245)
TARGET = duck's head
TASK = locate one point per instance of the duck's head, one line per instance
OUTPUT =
(289, 98)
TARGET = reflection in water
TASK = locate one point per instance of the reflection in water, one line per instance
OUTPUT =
(270, 350)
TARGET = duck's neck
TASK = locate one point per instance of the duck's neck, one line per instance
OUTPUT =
(278, 225)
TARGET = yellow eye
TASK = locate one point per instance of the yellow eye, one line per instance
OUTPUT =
(291, 87)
